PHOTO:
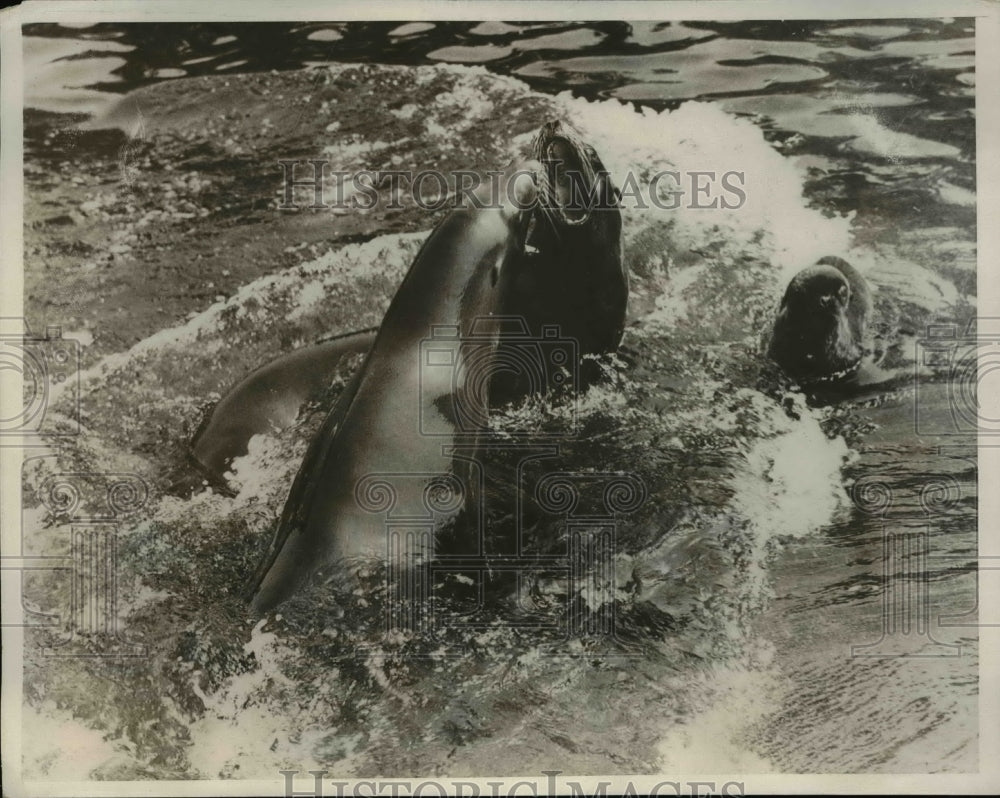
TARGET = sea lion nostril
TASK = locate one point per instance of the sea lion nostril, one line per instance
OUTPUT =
(550, 129)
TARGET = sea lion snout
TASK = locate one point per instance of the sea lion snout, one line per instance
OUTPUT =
(573, 183)
(834, 299)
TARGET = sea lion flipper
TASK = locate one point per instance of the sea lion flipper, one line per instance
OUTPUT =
(269, 399)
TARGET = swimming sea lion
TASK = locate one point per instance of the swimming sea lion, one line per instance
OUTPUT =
(819, 333)
(389, 435)
(267, 400)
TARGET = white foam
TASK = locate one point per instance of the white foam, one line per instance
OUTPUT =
(956, 195)
(791, 483)
(266, 470)
(239, 734)
(62, 748)
(908, 280)
(388, 254)
(701, 136)
(875, 138)
(712, 738)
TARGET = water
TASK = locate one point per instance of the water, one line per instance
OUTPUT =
(751, 573)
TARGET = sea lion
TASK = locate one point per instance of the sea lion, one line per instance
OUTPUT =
(267, 400)
(820, 330)
(571, 277)
(396, 431)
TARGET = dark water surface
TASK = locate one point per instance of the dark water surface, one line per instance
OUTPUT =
(805, 81)
(900, 65)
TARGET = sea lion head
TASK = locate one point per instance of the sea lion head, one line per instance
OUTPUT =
(571, 275)
(817, 295)
(575, 191)
(819, 330)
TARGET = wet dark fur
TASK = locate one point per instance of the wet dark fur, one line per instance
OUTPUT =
(576, 280)
(819, 333)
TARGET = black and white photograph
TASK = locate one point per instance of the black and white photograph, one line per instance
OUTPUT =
(499, 399)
